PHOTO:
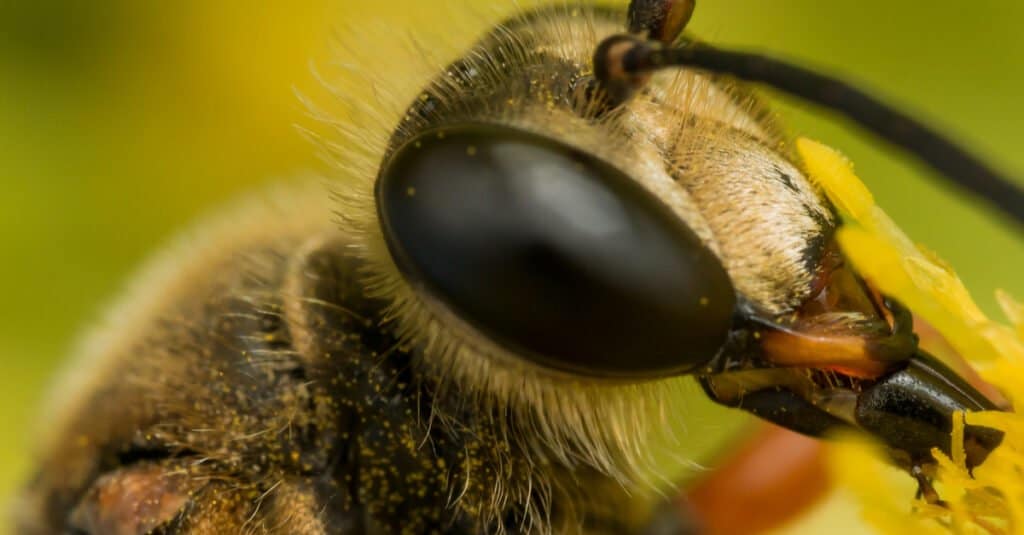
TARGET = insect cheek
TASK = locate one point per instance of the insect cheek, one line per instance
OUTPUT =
(553, 254)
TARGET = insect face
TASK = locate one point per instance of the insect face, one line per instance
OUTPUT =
(628, 262)
(803, 341)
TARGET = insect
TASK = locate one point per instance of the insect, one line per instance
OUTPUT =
(569, 222)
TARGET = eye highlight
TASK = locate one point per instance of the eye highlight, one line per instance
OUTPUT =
(552, 253)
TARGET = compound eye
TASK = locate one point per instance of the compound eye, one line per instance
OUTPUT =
(552, 253)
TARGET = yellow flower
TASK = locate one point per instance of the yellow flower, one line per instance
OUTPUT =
(991, 500)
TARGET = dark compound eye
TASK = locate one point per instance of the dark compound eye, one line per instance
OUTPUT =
(553, 253)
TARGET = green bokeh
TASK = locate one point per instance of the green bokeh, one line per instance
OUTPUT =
(121, 121)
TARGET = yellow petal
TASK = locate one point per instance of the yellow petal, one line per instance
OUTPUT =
(834, 173)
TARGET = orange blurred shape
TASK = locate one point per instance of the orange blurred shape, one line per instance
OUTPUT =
(772, 478)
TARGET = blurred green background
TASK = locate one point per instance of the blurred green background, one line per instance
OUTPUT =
(122, 120)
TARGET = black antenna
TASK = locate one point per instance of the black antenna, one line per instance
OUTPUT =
(623, 63)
